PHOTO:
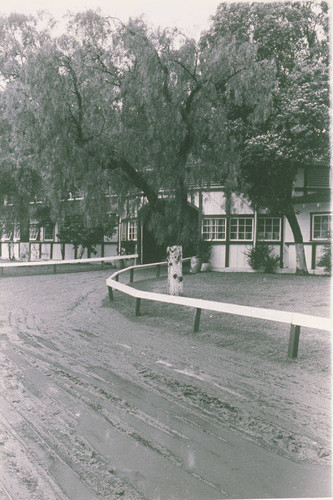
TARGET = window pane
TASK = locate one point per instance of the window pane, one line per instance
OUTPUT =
(49, 232)
(321, 226)
(33, 232)
(269, 228)
(241, 228)
(132, 230)
(213, 228)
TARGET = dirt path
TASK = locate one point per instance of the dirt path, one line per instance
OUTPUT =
(97, 404)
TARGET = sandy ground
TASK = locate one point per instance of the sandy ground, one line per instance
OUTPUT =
(96, 403)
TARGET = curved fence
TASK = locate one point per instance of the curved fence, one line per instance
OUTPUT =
(55, 263)
(295, 320)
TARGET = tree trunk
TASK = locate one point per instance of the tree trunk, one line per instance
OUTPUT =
(175, 270)
(81, 252)
(301, 267)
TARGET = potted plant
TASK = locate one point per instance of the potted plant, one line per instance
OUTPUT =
(205, 251)
(200, 262)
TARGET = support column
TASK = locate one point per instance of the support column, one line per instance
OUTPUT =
(293, 341)
(197, 320)
(137, 307)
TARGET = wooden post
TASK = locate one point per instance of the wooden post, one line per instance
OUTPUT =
(137, 307)
(158, 271)
(131, 275)
(293, 341)
(110, 293)
(55, 269)
(102, 264)
(117, 277)
(197, 320)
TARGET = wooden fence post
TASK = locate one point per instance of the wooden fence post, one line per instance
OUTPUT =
(137, 307)
(197, 320)
(117, 277)
(293, 341)
(55, 269)
(131, 275)
(158, 271)
(110, 293)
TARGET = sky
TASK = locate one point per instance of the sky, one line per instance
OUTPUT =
(190, 15)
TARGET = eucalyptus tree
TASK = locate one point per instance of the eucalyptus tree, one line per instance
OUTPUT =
(295, 133)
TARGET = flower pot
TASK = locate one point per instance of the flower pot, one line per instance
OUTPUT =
(195, 265)
(119, 264)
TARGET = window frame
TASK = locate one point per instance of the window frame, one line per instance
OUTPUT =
(132, 230)
(44, 232)
(213, 230)
(123, 231)
(35, 226)
(238, 218)
(266, 218)
(320, 214)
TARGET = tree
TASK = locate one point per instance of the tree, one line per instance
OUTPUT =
(129, 106)
(295, 36)
(74, 230)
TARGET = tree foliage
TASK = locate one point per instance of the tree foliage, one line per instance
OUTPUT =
(128, 106)
(295, 132)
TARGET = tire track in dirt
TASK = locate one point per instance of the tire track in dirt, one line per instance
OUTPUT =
(102, 401)
(261, 427)
(132, 434)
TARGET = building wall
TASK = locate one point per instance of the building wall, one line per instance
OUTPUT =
(230, 254)
(227, 253)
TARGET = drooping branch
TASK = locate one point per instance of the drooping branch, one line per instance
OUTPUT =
(134, 176)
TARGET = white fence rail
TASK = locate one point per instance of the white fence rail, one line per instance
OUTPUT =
(295, 320)
(55, 263)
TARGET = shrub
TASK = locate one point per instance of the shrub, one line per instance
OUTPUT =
(127, 247)
(204, 250)
(262, 257)
(325, 259)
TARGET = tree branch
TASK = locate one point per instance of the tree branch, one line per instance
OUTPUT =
(134, 176)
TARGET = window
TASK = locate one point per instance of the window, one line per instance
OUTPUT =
(123, 231)
(241, 228)
(33, 232)
(48, 232)
(6, 233)
(269, 228)
(318, 177)
(213, 228)
(321, 226)
(132, 230)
